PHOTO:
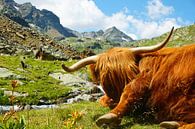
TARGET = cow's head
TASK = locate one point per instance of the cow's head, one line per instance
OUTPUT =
(116, 67)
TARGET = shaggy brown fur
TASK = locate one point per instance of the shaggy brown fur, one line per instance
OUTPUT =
(114, 69)
(168, 76)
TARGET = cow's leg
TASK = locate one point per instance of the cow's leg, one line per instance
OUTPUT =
(107, 102)
(131, 94)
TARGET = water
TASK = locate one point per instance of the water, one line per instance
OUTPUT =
(6, 108)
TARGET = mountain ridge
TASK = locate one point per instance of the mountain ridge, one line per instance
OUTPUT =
(26, 14)
(111, 34)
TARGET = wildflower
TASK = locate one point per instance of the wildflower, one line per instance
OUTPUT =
(14, 83)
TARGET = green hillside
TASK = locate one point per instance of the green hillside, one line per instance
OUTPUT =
(36, 82)
(181, 36)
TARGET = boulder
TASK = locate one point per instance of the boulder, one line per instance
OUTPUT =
(5, 73)
(83, 90)
(68, 79)
(16, 94)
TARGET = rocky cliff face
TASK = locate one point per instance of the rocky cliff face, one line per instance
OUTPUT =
(10, 9)
(44, 19)
(26, 14)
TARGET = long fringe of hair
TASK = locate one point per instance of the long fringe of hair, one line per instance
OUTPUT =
(114, 69)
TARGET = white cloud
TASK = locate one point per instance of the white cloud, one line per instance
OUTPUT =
(156, 9)
(118, 19)
(151, 29)
(75, 14)
(84, 15)
(79, 14)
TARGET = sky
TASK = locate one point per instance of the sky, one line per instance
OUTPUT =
(137, 18)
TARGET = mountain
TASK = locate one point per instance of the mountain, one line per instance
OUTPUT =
(46, 21)
(111, 34)
(114, 34)
(9, 9)
(26, 14)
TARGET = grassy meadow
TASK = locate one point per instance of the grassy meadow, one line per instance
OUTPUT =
(38, 85)
(74, 116)
(35, 79)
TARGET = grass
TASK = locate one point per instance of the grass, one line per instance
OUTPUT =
(89, 111)
(181, 36)
(35, 79)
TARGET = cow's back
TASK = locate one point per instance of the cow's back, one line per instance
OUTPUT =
(173, 80)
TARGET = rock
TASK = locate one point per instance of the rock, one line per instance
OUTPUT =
(5, 73)
(20, 82)
(44, 102)
(19, 77)
(82, 91)
(27, 107)
(80, 98)
(20, 35)
(84, 97)
(2, 88)
(74, 81)
(16, 94)
(67, 79)
(20, 69)
(32, 81)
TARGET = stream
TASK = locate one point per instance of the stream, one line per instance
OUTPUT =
(6, 108)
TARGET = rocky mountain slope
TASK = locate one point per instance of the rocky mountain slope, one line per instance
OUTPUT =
(18, 40)
(8, 8)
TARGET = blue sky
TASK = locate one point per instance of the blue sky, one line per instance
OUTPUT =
(182, 8)
(137, 18)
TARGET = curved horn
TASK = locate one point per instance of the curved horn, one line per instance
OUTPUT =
(152, 48)
(80, 64)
